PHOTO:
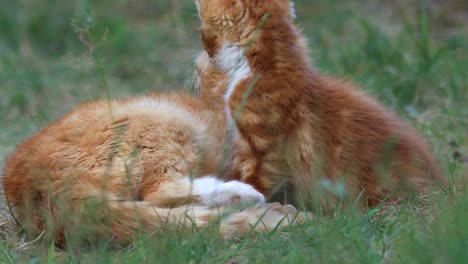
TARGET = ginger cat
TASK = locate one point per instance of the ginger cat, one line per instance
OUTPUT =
(130, 161)
(294, 124)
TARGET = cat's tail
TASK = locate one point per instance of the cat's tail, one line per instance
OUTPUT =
(123, 221)
(107, 217)
(131, 217)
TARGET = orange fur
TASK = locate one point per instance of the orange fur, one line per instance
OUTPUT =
(299, 125)
(131, 160)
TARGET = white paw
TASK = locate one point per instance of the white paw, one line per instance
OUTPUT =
(238, 192)
(214, 192)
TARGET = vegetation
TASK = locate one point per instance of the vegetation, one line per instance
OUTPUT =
(412, 55)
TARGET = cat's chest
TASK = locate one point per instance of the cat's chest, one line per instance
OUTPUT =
(237, 76)
(232, 60)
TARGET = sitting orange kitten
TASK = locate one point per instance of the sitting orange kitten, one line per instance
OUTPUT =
(294, 124)
(111, 168)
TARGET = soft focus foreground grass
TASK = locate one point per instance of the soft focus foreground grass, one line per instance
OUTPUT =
(412, 55)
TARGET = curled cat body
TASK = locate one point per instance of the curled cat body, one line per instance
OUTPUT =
(294, 124)
(113, 168)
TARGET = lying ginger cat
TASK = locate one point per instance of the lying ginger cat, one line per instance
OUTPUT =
(294, 124)
(130, 161)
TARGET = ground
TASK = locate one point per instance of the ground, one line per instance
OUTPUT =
(412, 55)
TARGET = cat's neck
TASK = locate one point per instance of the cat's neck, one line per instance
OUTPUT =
(278, 47)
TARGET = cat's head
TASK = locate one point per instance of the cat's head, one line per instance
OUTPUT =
(237, 21)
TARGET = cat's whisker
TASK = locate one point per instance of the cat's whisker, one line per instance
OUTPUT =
(189, 39)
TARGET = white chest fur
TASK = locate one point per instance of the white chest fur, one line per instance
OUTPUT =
(231, 59)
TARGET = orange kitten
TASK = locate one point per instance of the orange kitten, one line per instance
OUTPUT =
(300, 126)
(130, 161)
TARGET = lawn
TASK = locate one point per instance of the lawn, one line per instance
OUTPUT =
(412, 55)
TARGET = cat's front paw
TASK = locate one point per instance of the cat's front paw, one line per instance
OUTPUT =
(240, 193)
(215, 193)
(235, 192)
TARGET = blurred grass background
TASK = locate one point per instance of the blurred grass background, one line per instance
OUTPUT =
(411, 54)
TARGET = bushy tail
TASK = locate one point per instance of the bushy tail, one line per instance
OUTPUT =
(93, 218)
(128, 217)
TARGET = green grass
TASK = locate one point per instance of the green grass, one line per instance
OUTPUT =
(412, 55)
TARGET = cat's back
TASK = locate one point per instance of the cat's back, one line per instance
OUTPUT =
(108, 135)
(360, 134)
(85, 123)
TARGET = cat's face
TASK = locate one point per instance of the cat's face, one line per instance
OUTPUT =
(235, 22)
